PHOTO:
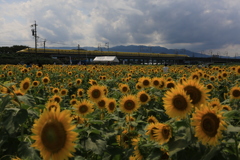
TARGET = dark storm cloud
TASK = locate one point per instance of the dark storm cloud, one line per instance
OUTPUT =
(209, 24)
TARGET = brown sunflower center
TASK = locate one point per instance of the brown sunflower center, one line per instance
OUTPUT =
(45, 80)
(143, 97)
(195, 76)
(52, 107)
(146, 82)
(209, 86)
(83, 109)
(53, 136)
(57, 99)
(35, 83)
(156, 83)
(165, 132)
(63, 92)
(236, 93)
(111, 106)
(101, 103)
(195, 94)
(55, 90)
(129, 105)
(96, 93)
(170, 85)
(180, 102)
(26, 85)
(124, 89)
(73, 102)
(80, 93)
(210, 124)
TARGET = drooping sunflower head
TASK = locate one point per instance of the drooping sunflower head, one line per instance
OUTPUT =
(237, 70)
(150, 131)
(177, 103)
(25, 85)
(84, 107)
(111, 105)
(138, 86)
(162, 133)
(209, 124)
(124, 139)
(95, 92)
(195, 75)
(196, 91)
(80, 92)
(235, 93)
(46, 80)
(129, 103)
(163, 83)
(92, 82)
(143, 97)
(226, 107)
(54, 136)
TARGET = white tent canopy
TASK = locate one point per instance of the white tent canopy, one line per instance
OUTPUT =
(106, 59)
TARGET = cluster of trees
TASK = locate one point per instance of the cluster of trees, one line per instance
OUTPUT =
(12, 49)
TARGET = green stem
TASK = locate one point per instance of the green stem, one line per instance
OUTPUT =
(236, 145)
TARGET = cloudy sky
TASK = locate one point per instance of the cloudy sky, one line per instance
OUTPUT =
(202, 26)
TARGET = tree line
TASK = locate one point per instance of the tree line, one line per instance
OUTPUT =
(12, 49)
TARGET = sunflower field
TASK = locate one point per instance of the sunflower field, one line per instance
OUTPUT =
(119, 112)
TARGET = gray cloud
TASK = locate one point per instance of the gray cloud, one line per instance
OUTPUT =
(190, 24)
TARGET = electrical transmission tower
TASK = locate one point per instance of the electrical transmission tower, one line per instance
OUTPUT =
(34, 34)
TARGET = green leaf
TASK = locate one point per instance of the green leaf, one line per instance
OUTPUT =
(177, 145)
(25, 151)
(5, 101)
(97, 146)
(210, 154)
(231, 128)
(21, 116)
(27, 99)
(155, 154)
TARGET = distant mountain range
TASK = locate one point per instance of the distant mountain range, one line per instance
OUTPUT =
(141, 48)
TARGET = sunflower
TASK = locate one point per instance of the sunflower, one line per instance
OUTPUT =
(124, 88)
(235, 93)
(177, 103)
(92, 82)
(105, 90)
(155, 82)
(150, 131)
(212, 78)
(209, 124)
(63, 92)
(195, 75)
(210, 86)
(79, 120)
(226, 107)
(73, 101)
(143, 97)
(145, 81)
(129, 103)
(95, 92)
(55, 90)
(170, 84)
(111, 105)
(196, 91)
(237, 70)
(10, 73)
(124, 139)
(152, 119)
(78, 81)
(39, 74)
(80, 92)
(84, 107)
(162, 83)
(25, 85)
(45, 80)
(215, 103)
(162, 133)
(138, 86)
(53, 135)
(52, 105)
(102, 103)
(56, 98)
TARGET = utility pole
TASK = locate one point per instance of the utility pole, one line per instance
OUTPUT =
(78, 48)
(107, 45)
(34, 33)
(44, 45)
